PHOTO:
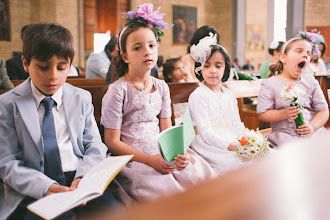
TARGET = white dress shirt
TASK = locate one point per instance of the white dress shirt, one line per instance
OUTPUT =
(68, 158)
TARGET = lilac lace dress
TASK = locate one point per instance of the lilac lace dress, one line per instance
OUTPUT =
(218, 122)
(136, 114)
(269, 98)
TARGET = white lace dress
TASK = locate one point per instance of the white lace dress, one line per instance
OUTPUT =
(136, 114)
(218, 122)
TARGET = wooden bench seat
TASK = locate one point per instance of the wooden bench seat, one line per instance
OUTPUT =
(180, 92)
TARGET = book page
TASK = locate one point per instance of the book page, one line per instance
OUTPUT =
(91, 186)
(188, 130)
(171, 142)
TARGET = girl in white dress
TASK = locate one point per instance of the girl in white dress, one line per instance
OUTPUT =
(214, 108)
(136, 108)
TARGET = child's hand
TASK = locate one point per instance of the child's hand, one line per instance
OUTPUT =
(181, 161)
(156, 161)
(231, 147)
(177, 115)
(292, 112)
(74, 186)
(305, 129)
(55, 188)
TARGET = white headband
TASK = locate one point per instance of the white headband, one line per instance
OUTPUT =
(289, 41)
(120, 36)
(202, 50)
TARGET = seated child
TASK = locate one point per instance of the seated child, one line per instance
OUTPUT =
(287, 74)
(48, 138)
(175, 72)
(135, 109)
(214, 108)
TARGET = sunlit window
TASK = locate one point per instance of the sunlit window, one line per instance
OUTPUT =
(280, 20)
(100, 40)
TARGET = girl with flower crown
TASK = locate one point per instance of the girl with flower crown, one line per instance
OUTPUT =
(288, 88)
(213, 107)
(136, 108)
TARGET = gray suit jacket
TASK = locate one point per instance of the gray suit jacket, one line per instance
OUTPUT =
(21, 148)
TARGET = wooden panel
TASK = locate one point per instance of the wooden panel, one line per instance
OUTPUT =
(325, 31)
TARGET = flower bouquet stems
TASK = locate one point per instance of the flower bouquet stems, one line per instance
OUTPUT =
(300, 119)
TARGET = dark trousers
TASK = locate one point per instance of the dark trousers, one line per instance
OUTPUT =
(106, 201)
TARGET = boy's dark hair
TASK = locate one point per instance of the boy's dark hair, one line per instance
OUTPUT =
(111, 44)
(201, 33)
(42, 41)
(215, 48)
(22, 30)
(120, 67)
(168, 68)
(278, 49)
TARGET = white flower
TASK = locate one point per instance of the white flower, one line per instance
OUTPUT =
(289, 94)
(251, 145)
(202, 50)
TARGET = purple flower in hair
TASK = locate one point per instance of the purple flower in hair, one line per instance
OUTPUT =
(129, 15)
(316, 51)
(311, 37)
(146, 12)
(163, 25)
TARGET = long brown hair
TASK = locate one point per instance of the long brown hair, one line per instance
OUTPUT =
(120, 68)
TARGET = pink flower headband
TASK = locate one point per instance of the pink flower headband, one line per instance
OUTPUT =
(311, 37)
(145, 13)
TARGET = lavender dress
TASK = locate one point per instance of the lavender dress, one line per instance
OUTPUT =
(269, 98)
(136, 114)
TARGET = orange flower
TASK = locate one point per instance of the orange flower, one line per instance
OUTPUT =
(289, 87)
(244, 141)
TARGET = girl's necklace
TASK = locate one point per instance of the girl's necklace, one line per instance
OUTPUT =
(140, 88)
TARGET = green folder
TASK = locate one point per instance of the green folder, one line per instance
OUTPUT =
(176, 139)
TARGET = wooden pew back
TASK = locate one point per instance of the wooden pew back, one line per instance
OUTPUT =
(180, 93)
(97, 95)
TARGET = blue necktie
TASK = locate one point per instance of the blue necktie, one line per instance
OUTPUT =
(53, 166)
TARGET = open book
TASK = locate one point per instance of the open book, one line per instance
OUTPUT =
(176, 139)
(92, 185)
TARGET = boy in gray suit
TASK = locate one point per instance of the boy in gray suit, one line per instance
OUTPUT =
(48, 135)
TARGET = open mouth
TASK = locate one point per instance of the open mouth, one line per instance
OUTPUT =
(301, 64)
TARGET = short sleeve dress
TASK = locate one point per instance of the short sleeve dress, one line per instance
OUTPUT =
(218, 122)
(137, 115)
(269, 98)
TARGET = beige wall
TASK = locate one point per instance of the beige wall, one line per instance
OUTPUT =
(317, 13)
(64, 12)
(217, 13)
(256, 13)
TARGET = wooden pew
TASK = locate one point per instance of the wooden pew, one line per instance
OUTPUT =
(79, 82)
(2, 91)
(179, 93)
(97, 95)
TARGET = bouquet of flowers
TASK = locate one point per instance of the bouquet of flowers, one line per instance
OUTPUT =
(252, 145)
(293, 95)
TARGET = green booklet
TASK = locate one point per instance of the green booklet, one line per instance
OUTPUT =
(176, 139)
